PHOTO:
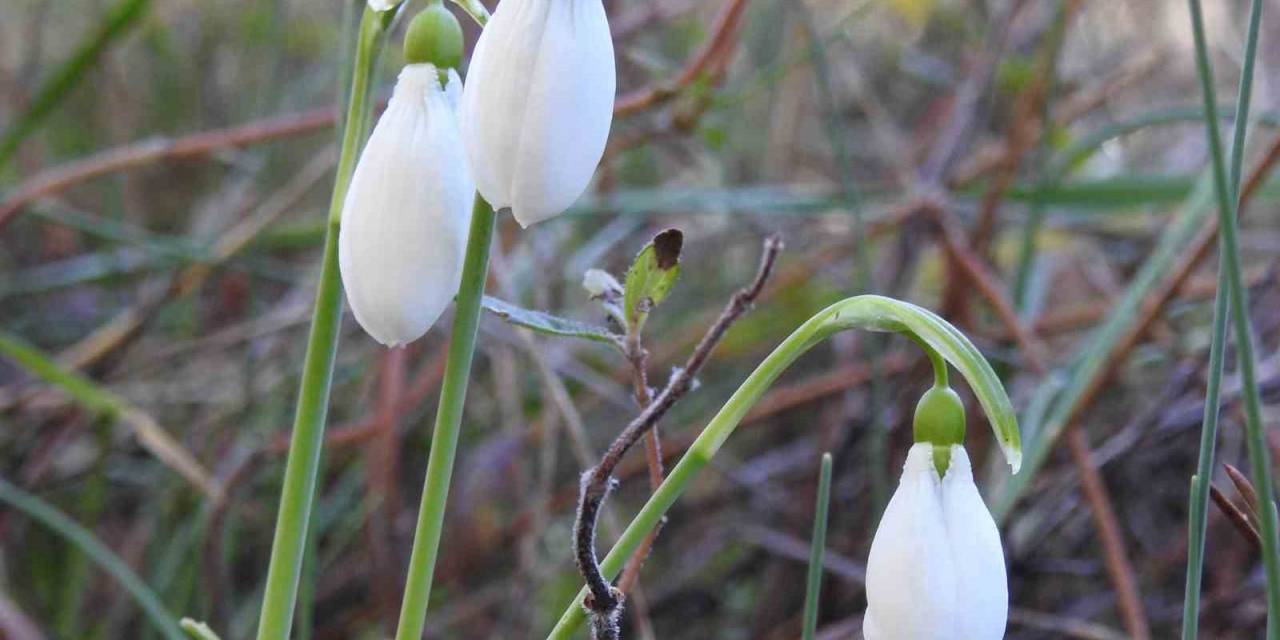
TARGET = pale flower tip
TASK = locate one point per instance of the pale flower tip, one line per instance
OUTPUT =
(524, 219)
(390, 343)
(1014, 457)
(383, 5)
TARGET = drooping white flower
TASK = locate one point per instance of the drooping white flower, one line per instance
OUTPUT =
(936, 569)
(407, 211)
(538, 104)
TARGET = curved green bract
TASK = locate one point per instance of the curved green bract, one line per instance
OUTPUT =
(878, 313)
(868, 312)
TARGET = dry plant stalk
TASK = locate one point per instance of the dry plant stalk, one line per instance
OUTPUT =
(604, 602)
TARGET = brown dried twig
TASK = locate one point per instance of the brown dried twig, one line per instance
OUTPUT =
(710, 60)
(1026, 108)
(604, 601)
(57, 179)
(382, 465)
(1236, 517)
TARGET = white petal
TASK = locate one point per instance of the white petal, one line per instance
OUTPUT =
(538, 104)
(453, 92)
(494, 97)
(982, 589)
(406, 214)
(910, 572)
(568, 112)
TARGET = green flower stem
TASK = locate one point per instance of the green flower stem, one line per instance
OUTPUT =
(817, 546)
(870, 312)
(317, 370)
(1230, 292)
(444, 440)
(940, 378)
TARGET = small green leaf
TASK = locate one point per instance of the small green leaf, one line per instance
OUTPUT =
(651, 276)
(84, 541)
(543, 322)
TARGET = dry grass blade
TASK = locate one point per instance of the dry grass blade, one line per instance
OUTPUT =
(1245, 488)
(1237, 517)
(92, 397)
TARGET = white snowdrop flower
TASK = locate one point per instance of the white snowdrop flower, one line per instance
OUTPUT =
(407, 211)
(538, 104)
(936, 569)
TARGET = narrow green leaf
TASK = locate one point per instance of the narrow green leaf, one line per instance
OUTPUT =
(84, 540)
(90, 396)
(1091, 362)
(123, 15)
(1227, 191)
(651, 276)
(817, 547)
(544, 322)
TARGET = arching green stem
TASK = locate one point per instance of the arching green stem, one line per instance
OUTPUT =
(873, 313)
(940, 377)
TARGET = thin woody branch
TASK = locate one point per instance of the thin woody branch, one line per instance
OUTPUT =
(604, 600)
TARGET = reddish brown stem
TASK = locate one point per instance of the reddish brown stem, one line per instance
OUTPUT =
(723, 33)
(604, 600)
(195, 145)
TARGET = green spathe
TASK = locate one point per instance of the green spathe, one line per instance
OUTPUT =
(939, 421)
(434, 37)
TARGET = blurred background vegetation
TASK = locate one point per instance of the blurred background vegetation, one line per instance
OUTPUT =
(1030, 169)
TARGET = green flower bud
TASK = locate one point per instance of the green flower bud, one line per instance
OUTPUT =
(435, 37)
(939, 421)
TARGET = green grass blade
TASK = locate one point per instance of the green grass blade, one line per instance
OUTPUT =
(1039, 160)
(1234, 304)
(116, 23)
(813, 585)
(90, 396)
(1198, 511)
(84, 540)
(1091, 362)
